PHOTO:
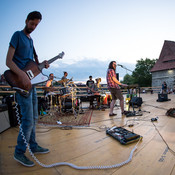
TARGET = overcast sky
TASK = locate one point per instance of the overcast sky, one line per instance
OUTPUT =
(91, 32)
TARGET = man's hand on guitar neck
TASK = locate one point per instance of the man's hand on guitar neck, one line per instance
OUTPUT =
(45, 62)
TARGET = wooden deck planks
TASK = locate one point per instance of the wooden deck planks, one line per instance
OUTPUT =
(92, 147)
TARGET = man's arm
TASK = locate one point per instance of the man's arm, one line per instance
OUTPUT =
(116, 81)
(48, 84)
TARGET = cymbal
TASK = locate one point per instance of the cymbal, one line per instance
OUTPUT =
(70, 82)
(63, 81)
(65, 95)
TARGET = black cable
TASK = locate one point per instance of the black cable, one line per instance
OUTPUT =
(173, 152)
(157, 107)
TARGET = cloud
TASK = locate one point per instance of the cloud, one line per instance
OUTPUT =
(81, 69)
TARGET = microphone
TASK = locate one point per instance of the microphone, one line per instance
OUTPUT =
(120, 65)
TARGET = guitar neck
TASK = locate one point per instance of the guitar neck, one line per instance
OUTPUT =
(42, 65)
(53, 59)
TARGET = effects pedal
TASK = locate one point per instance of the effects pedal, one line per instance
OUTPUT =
(123, 135)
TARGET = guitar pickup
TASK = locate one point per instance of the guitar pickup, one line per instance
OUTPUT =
(30, 74)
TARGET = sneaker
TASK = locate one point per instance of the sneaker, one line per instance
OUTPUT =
(124, 112)
(40, 150)
(21, 158)
(112, 114)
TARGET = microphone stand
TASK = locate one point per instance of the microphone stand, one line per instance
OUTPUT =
(134, 112)
(130, 71)
(125, 68)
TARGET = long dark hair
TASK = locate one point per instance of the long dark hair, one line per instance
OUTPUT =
(111, 65)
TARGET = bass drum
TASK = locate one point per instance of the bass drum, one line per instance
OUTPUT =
(67, 104)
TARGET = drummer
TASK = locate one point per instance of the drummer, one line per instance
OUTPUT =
(49, 89)
(49, 83)
(64, 80)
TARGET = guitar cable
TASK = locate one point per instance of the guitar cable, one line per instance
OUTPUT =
(67, 163)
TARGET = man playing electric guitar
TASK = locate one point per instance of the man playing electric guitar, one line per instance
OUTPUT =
(20, 52)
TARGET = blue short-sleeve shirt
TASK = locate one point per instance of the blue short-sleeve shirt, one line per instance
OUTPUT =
(23, 48)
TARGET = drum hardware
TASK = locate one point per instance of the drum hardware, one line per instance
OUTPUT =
(53, 99)
(51, 110)
(68, 100)
(64, 102)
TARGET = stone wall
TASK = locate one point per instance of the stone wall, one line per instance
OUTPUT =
(159, 77)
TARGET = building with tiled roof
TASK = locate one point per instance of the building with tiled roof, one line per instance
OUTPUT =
(164, 68)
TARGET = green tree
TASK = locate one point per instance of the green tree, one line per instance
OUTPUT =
(141, 75)
(127, 79)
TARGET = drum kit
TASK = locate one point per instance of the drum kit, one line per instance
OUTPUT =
(64, 99)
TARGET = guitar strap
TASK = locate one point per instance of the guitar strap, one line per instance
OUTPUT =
(35, 56)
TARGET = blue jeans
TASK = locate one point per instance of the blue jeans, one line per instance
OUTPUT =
(29, 112)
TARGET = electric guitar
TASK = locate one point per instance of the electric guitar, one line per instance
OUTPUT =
(33, 71)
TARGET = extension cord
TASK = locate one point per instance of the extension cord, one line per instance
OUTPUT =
(67, 163)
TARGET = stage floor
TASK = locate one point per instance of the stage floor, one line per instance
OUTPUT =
(90, 146)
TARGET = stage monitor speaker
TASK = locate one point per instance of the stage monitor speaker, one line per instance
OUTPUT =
(136, 101)
(4, 118)
(162, 97)
(11, 111)
(117, 76)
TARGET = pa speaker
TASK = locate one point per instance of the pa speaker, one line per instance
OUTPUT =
(11, 111)
(136, 101)
(4, 118)
(162, 97)
(117, 76)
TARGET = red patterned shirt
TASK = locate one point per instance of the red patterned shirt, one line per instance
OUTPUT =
(110, 83)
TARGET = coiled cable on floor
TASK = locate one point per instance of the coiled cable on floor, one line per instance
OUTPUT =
(67, 163)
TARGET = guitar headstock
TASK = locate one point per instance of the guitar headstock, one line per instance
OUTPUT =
(61, 55)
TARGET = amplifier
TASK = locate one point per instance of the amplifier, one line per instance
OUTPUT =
(162, 97)
(4, 118)
(136, 101)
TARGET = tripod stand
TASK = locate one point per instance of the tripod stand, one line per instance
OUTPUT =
(134, 113)
(134, 101)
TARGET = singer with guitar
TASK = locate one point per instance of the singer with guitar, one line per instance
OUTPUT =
(20, 52)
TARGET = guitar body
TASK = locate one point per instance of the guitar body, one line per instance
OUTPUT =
(14, 80)
(34, 72)
(33, 67)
